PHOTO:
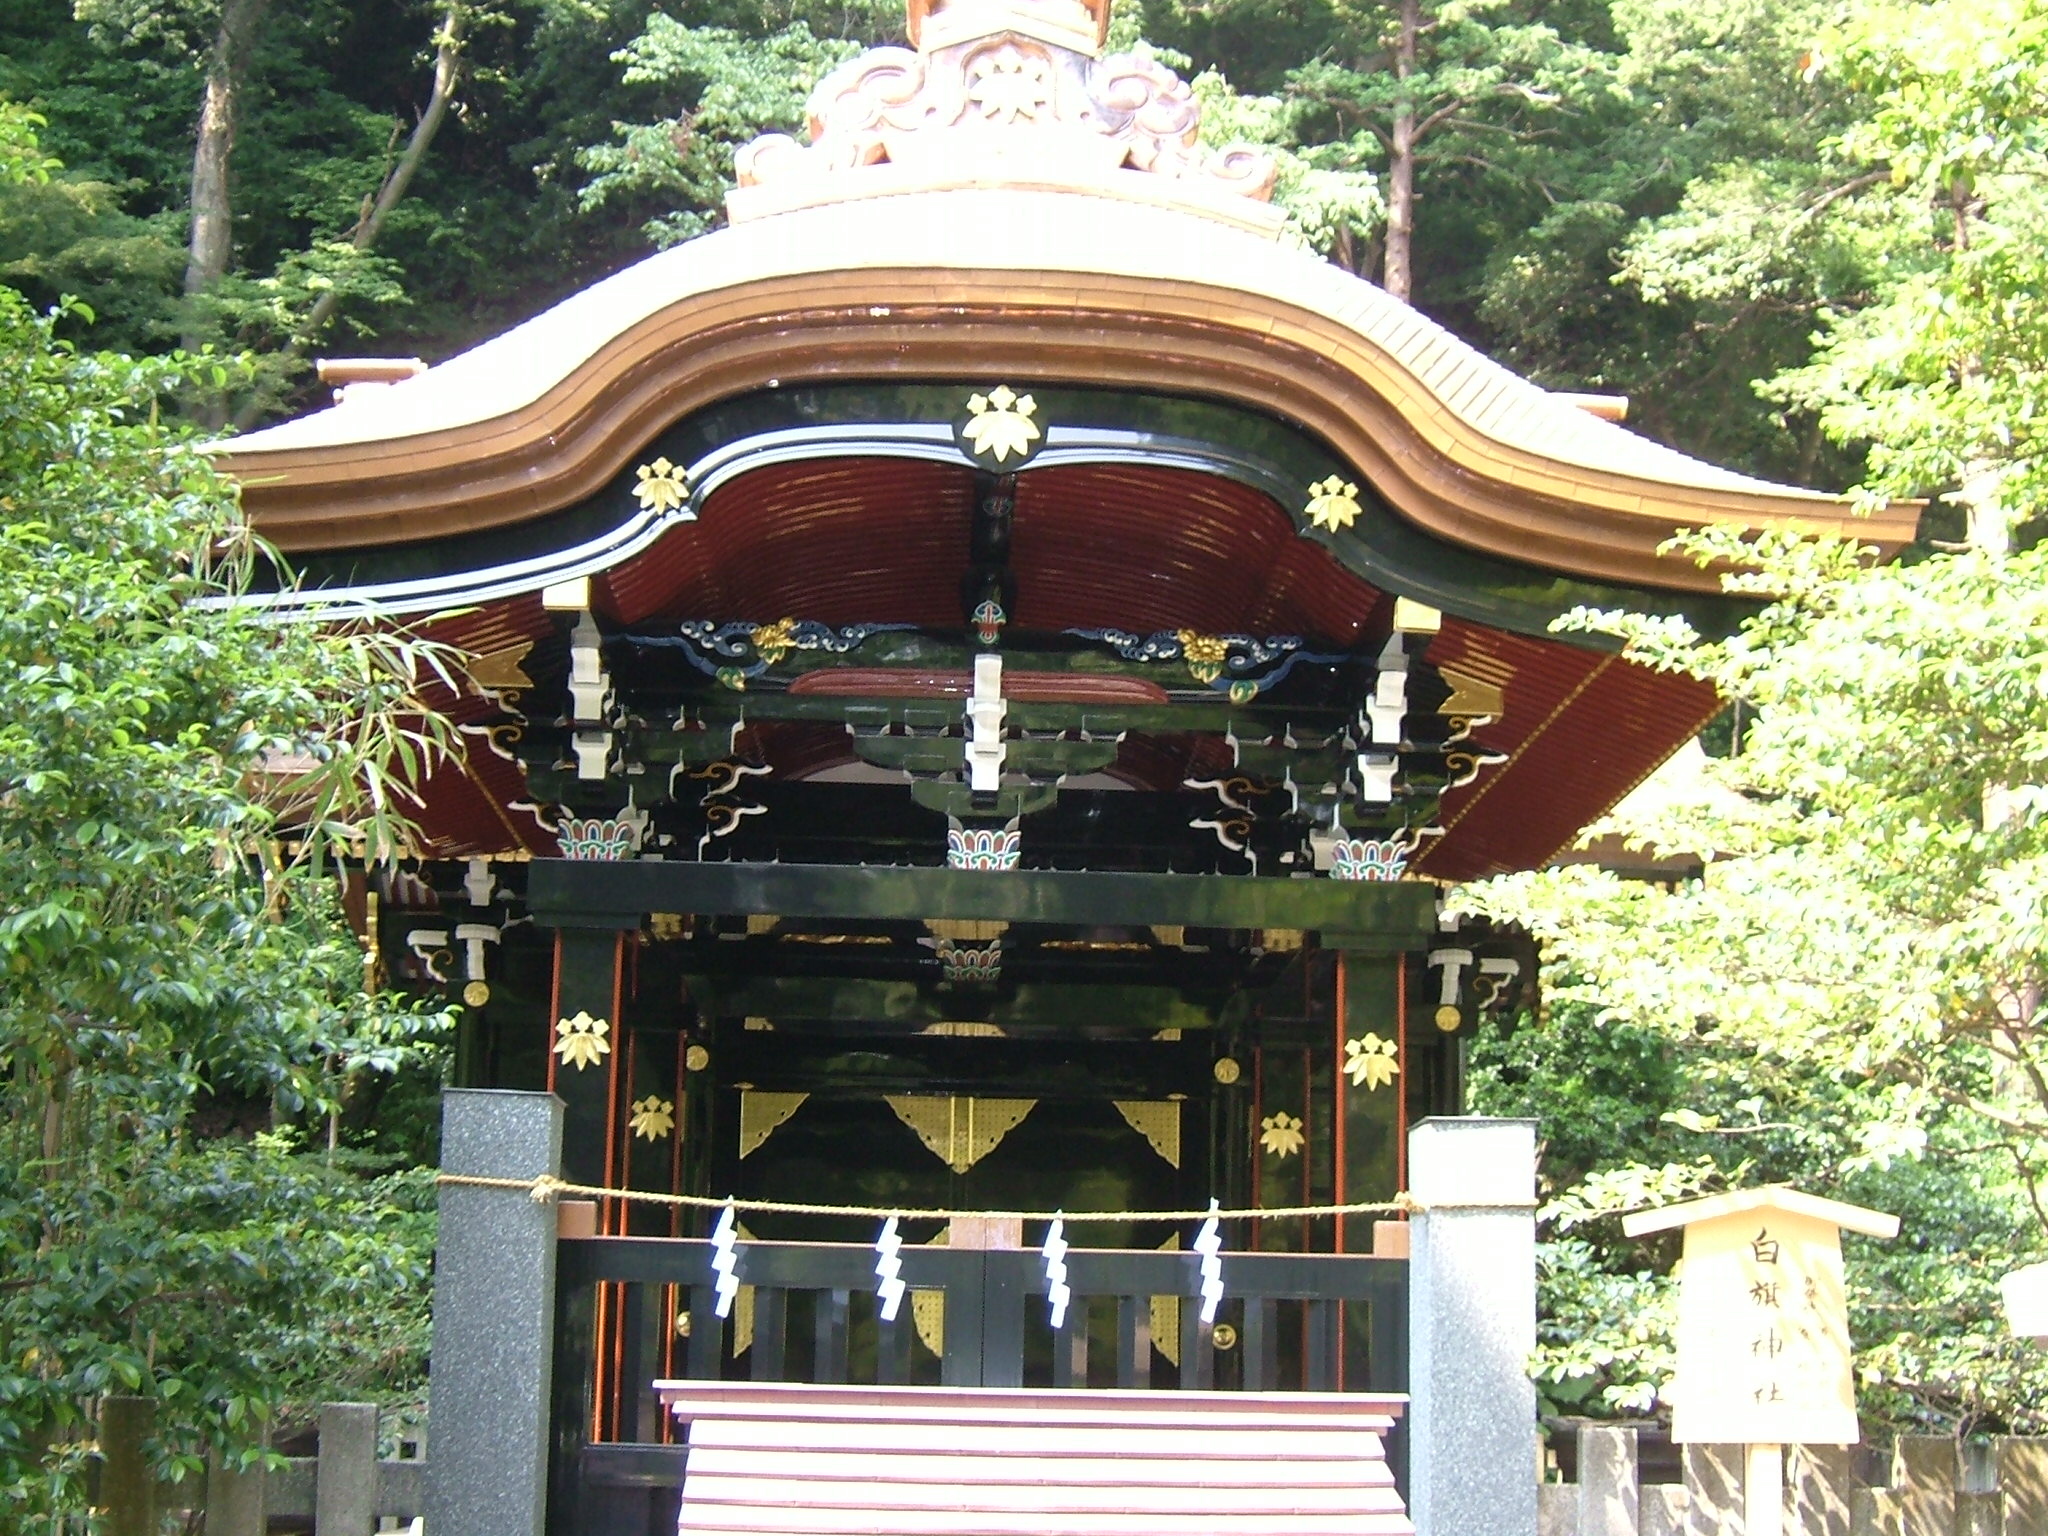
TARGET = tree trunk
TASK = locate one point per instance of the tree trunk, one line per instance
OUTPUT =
(212, 238)
(1398, 275)
(447, 77)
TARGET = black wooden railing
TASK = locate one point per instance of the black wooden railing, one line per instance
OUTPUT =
(630, 1311)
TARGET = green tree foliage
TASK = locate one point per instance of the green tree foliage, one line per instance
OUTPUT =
(726, 88)
(1634, 1116)
(1863, 965)
(1881, 187)
(164, 958)
(1435, 101)
(1556, 135)
(1942, 370)
(488, 228)
(1714, 106)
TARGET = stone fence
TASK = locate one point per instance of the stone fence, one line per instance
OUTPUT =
(344, 1490)
(1919, 1486)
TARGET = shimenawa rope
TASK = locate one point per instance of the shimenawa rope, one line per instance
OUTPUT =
(546, 1187)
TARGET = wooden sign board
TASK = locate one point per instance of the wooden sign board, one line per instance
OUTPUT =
(1763, 1318)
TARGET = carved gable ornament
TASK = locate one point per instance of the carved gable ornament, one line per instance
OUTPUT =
(1005, 93)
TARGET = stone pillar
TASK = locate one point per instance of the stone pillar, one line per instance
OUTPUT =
(127, 1484)
(1713, 1489)
(494, 1318)
(1609, 1481)
(236, 1500)
(1472, 1327)
(1819, 1482)
(2023, 1479)
(345, 1477)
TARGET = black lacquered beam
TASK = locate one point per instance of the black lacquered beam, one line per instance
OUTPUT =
(591, 893)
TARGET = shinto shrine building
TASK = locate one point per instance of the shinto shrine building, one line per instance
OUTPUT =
(982, 670)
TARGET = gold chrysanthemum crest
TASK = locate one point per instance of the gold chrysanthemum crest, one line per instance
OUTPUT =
(582, 1041)
(1281, 1134)
(1332, 504)
(999, 424)
(1371, 1062)
(774, 641)
(653, 1117)
(1204, 654)
(661, 486)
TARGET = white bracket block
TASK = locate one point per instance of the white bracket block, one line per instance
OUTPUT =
(1387, 707)
(473, 937)
(1453, 962)
(430, 945)
(1376, 778)
(986, 710)
(593, 750)
(590, 686)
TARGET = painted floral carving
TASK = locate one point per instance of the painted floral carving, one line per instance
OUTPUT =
(1332, 504)
(599, 837)
(999, 423)
(970, 962)
(774, 641)
(983, 847)
(989, 619)
(1281, 1134)
(653, 1117)
(1360, 858)
(1371, 1062)
(582, 1041)
(661, 486)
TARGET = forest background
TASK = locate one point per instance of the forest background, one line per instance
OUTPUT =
(1806, 240)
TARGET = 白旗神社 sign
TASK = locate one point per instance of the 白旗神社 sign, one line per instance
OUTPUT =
(1764, 1357)
(1763, 1317)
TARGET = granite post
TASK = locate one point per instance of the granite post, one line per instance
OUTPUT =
(345, 1478)
(1610, 1481)
(494, 1315)
(1472, 1327)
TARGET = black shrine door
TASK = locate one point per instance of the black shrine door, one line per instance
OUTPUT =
(963, 1124)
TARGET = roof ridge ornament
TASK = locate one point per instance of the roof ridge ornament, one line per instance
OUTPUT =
(1082, 25)
(1005, 93)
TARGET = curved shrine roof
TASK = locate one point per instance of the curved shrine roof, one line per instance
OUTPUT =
(560, 381)
(1006, 207)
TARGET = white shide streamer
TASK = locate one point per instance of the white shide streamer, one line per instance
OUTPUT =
(888, 1271)
(1057, 1292)
(1209, 1244)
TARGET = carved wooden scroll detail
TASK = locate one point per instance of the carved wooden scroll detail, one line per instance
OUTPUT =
(1002, 107)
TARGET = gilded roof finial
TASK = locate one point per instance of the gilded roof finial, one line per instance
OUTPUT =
(1005, 93)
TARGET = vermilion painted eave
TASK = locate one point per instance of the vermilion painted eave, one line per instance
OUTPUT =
(1581, 727)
